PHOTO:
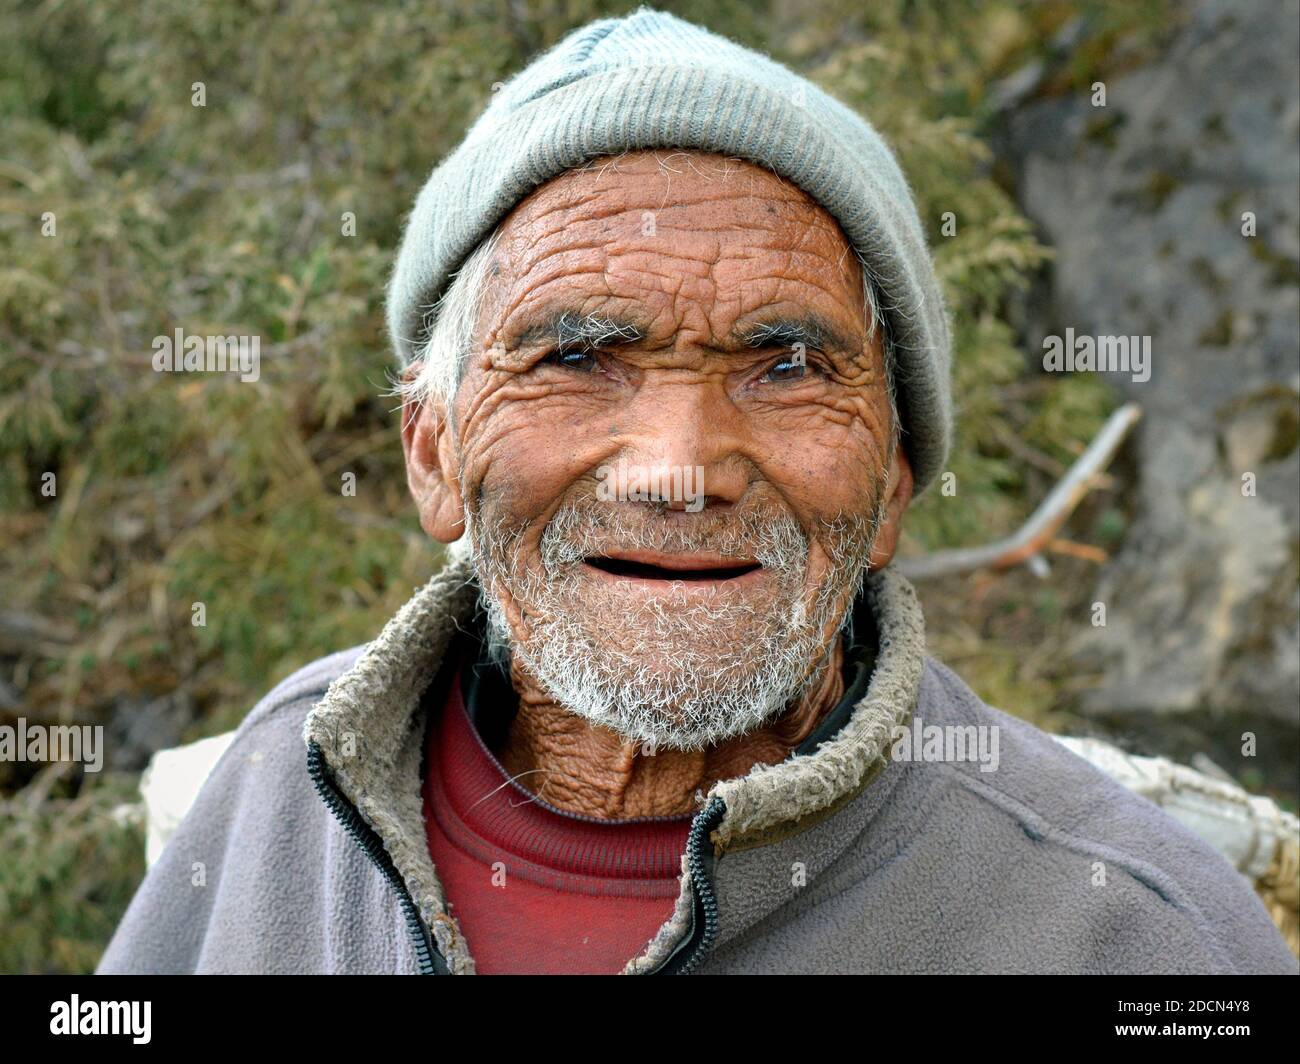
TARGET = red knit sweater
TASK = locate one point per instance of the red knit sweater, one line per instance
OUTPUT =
(536, 890)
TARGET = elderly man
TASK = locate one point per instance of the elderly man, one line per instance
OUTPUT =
(675, 363)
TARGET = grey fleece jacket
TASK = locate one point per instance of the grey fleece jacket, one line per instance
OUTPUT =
(842, 860)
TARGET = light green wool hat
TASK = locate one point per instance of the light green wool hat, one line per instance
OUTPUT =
(651, 80)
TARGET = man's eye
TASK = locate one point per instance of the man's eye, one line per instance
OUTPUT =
(573, 358)
(787, 369)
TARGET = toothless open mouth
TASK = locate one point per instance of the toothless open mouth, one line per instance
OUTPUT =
(646, 571)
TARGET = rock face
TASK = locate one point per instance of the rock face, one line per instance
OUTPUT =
(1144, 201)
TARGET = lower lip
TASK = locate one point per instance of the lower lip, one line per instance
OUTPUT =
(652, 586)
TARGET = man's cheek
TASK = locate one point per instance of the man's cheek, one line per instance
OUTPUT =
(517, 499)
(821, 488)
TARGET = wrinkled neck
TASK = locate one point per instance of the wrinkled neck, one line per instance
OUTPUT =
(587, 769)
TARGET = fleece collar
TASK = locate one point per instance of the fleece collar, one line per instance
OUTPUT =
(370, 732)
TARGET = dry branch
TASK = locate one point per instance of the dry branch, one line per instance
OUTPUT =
(1036, 534)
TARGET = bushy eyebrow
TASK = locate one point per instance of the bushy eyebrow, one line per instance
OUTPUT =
(569, 328)
(807, 329)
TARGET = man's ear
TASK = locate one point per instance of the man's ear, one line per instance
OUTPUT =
(431, 469)
(899, 495)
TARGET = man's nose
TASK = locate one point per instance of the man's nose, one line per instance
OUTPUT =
(686, 439)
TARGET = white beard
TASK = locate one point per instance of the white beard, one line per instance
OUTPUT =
(593, 649)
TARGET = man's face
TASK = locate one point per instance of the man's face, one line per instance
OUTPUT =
(693, 327)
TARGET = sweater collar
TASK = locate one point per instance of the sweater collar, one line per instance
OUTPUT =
(465, 781)
(370, 729)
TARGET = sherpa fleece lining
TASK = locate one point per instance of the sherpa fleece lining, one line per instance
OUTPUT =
(369, 730)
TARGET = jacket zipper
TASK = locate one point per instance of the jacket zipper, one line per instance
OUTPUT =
(699, 863)
(430, 961)
(691, 952)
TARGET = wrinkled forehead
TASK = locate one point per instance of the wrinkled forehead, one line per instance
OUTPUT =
(680, 204)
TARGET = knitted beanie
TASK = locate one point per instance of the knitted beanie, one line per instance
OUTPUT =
(651, 80)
